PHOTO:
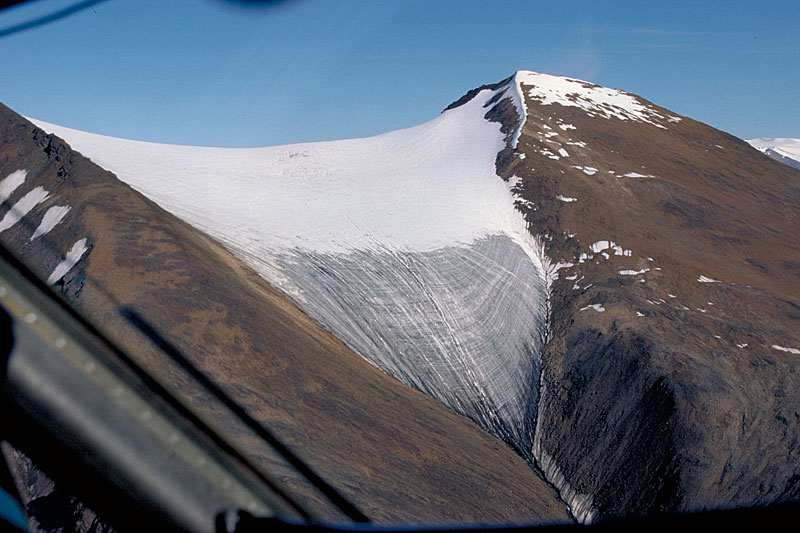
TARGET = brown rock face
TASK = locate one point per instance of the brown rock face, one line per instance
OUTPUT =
(395, 453)
(669, 382)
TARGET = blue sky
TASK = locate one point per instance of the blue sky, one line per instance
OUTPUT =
(201, 72)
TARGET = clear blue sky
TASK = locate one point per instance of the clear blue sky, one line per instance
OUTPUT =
(201, 72)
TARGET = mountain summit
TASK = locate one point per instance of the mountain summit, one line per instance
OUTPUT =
(607, 286)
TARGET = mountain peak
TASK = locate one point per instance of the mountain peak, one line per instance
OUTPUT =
(596, 100)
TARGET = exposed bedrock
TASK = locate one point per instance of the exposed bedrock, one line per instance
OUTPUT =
(607, 428)
(629, 423)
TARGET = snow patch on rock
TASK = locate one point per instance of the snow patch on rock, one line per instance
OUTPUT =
(51, 218)
(591, 171)
(794, 351)
(597, 101)
(73, 256)
(633, 272)
(599, 246)
(10, 183)
(23, 206)
(637, 175)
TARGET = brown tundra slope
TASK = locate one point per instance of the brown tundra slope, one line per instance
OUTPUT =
(671, 380)
(397, 454)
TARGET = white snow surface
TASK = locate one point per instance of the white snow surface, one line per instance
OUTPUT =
(794, 351)
(594, 99)
(591, 171)
(599, 246)
(785, 146)
(417, 189)
(10, 184)
(637, 175)
(633, 272)
(51, 218)
(518, 99)
(406, 245)
(72, 258)
(23, 206)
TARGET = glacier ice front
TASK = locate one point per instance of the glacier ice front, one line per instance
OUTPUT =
(406, 245)
(461, 323)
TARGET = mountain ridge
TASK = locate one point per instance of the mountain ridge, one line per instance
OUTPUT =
(671, 327)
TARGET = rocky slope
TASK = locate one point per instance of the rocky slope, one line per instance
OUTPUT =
(670, 378)
(106, 247)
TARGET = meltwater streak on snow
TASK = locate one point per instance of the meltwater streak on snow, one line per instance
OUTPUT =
(10, 184)
(406, 245)
(23, 206)
(51, 218)
(72, 258)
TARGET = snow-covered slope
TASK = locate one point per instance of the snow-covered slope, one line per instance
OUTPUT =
(406, 245)
(783, 149)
